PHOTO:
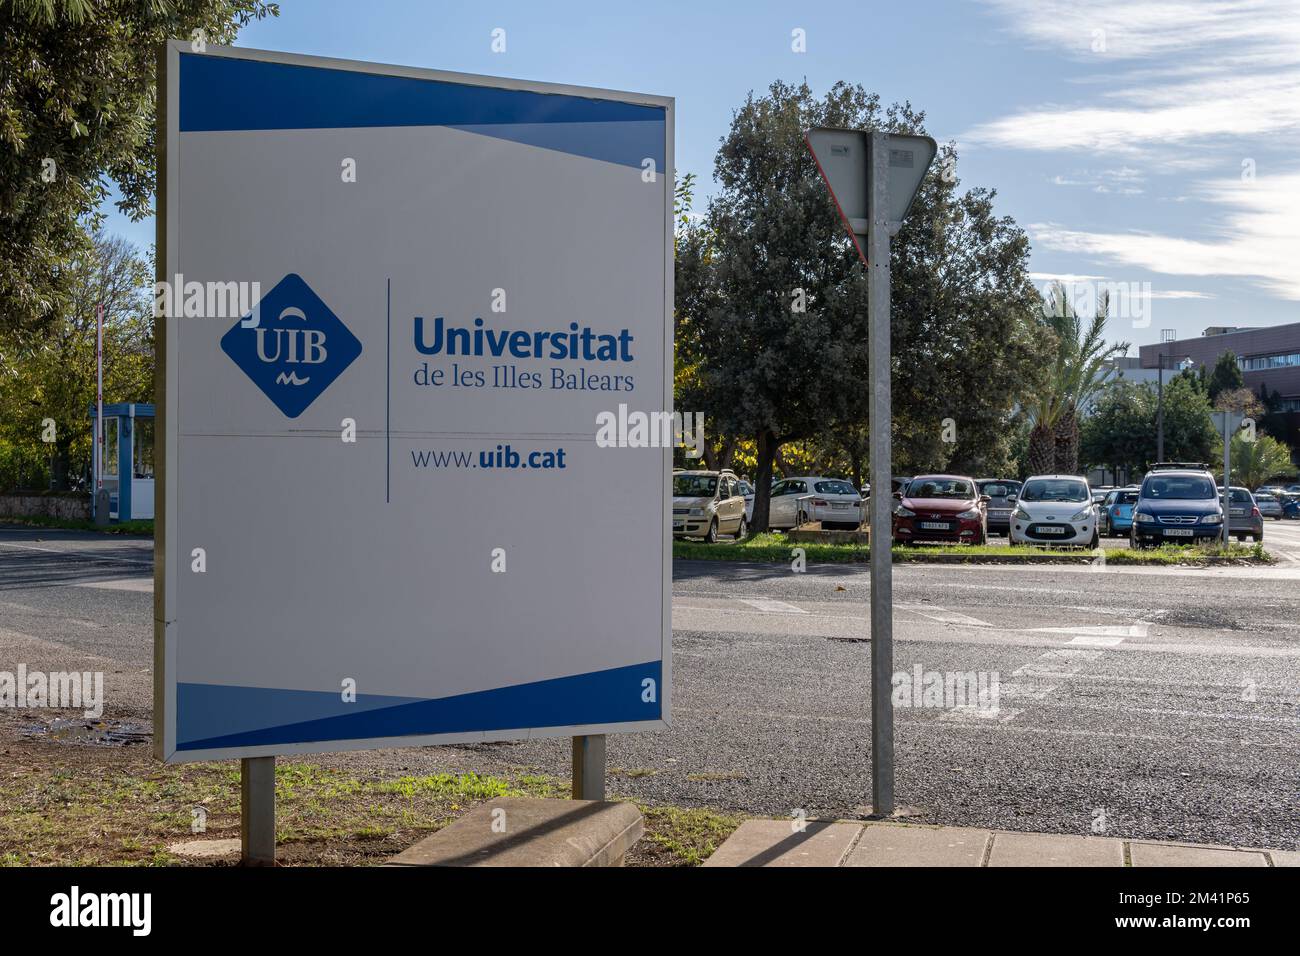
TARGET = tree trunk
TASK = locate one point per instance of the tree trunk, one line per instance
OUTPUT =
(767, 450)
(1041, 456)
(1067, 443)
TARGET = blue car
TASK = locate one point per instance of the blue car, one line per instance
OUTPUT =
(1116, 518)
(1290, 506)
(1177, 504)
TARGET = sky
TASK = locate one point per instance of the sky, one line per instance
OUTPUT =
(1136, 141)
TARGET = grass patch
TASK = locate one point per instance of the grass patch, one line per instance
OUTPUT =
(58, 808)
(76, 524)
(772, 547)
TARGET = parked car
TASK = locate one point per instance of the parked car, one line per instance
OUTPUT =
(941, 508)
(1178, 503)
(1054, 509)
(999, 505)
(832, 501)
(1268, 505)
(1290, 505)
(708, 503)
(1099, 494)
(746, 491)
(1116, 515)
(1245, 520)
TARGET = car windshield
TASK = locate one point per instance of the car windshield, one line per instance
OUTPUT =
(694, 486)
(1055, 489)
(1126, 497)
(1265, 498)
(1179, 488)
(941, 488)
(1240, 496)
(997, 489)
(834, 488)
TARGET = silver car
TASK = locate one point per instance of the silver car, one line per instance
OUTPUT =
(1269, 506)
(1244, 518)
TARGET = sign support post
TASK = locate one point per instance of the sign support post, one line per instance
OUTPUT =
(589, 767)
(257, 811)
(874, 177)
(880, 412)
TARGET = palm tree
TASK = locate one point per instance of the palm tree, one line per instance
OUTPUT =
(1078, 373)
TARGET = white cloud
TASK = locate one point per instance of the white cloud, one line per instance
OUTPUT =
(1258, 239)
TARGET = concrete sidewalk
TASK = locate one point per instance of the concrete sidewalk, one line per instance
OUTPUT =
(841, 843)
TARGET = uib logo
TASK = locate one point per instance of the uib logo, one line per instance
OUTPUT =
(291, 345)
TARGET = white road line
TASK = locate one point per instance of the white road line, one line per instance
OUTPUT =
(772, 606)
(1096, 641)
(942, 615)
(1097, 630)
(144, 585)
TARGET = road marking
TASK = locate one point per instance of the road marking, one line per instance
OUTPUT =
(942, 615)
(1096, 641)
(83, 555)
(772, 606)
(144, 585)
(1097, 630)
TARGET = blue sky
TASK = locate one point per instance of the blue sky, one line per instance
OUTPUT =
(1135, 141)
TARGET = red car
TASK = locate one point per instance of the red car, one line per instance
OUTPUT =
(941, 508)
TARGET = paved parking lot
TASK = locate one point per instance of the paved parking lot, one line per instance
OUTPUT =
(1152, 703)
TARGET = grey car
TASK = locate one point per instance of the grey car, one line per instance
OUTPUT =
(1244, 518)
(1268, 505)
(1000, 491)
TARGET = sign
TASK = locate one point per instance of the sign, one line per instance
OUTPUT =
(843, 157)
(386, 518)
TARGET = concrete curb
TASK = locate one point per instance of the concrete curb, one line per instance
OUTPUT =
(882, 843)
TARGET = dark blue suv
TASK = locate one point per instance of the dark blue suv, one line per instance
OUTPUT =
(1178, 504)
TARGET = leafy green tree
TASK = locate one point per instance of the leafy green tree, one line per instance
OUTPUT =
(76, 115)
(1255, 462)
(771, 301)
(1190, 433)
(1119, 434)
(50, 376)
(1226, 377)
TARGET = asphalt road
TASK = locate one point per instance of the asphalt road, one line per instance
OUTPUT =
(1136, 703)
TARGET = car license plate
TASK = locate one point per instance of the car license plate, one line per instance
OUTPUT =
(1050, 529)
(1178, 532)
(934, 525)
(1238, 512)
(840, 505)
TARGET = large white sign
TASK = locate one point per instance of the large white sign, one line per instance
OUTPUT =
(386, 518)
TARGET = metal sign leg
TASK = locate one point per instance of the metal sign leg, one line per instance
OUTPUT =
(257, 811)
(589, 767)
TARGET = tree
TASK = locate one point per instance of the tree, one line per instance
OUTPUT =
(1190, 432)
(1078, 371)
(76, 114)
(772, 297)
(50, 376)
(1255, 462)
(1226, 376)
(1119, 434)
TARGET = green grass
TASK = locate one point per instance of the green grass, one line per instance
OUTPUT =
(124, 809)
(76, 524)
(771, 547)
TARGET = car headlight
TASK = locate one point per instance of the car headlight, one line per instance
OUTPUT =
(1083, 515)
(697, 512)
(1212, 519)
(1141, 517)
(1022, 515)
(901, 512)
(972, 514)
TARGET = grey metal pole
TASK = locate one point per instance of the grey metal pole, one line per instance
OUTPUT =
(1160, 409)
(589, 767)
(882, 501)
(1227, 482)
(257, 811)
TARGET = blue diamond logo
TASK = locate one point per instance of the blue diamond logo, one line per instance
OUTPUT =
(296, 349)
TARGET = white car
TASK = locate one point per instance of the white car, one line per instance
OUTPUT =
(746, 490)
(832, 501)
(1054, 509)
